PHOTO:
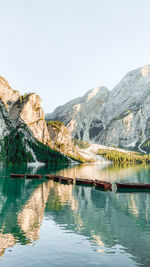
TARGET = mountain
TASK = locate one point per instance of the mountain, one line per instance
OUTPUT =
(61, 138)
(78, 114)
(119, 118)
(124, 120)
(24, 133)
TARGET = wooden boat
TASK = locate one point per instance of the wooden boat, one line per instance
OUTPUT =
(53, 177)
(133, 186)
(103, 185)
(58, 178)
(49, 176)
(16, 175)
(33, 176)
(84, 181)
(66, 180)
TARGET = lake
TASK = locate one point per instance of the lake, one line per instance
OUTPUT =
(45, 223)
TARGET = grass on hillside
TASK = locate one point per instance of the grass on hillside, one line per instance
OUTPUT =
(55, 124)
(80, 143)
(146, 146)
(124, 157)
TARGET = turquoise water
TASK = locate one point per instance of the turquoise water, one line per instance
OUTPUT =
(44, 223)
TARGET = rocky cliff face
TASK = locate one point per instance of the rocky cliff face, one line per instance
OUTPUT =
(7, 97)
(7, 94)
(27, 110)
(61, 139)
(23, 129)
(78, 114)
(124, 120)
(5, 122)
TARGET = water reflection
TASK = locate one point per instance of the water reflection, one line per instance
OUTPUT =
(31, 216)
(109, 222)
(6, 240)
(102, 171)
(113, 223)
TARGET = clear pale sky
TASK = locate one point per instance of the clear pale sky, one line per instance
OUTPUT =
(62, 48)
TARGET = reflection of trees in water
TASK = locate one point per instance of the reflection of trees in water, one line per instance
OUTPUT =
(13, 196)
(28, 201)
(59, 195)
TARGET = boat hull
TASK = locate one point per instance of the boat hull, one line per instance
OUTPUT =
(60, 179)
(133, 186)
(49, 177)
(66, 180)
(33, 176)
(16, 175)
(87, 182)
(103, 185)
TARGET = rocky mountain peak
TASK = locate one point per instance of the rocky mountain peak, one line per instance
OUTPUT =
(145, 71)
(125, 116)
(119, 117)
(4, 82)
(93, 93)
(32, 110)
(77, 114)
(28, 110)
(22, 122)
(7, 94)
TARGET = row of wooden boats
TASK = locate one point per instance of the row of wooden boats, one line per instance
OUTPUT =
(98, 183)
(89, 182)
(28, 176)
(58, 178)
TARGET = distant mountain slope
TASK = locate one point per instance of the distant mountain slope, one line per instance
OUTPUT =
(124, 120)
(119, 118)
(78, 114)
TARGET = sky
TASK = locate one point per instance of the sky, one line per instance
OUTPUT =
(62, 48)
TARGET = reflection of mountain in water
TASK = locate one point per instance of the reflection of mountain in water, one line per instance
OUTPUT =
(32, 214)
(102, 171)
(107, 219)
(13, 196)
(6, 240)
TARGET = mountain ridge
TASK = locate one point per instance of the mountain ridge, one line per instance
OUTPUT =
(121, 120)
(80, 109)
